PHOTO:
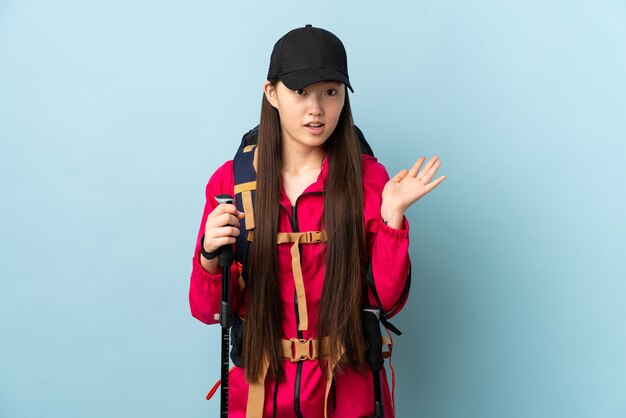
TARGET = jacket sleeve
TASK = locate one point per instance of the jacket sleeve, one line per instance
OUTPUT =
(205, 290)
(388, 247)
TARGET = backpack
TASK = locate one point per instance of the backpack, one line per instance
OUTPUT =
(245, 187)
(372, 317)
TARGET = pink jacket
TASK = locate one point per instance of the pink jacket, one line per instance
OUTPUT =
(390, 263)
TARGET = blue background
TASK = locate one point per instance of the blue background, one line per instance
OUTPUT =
(114, 114)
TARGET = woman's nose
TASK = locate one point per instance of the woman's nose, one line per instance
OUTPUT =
(315, 105)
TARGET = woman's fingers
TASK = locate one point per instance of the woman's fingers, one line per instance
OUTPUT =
(435, 183)
(398, 177)
(226, 231)
(407, 187)
(427, 167)
(428, 175)
(416, 167)
(224, 216)
(215, 238)
(226, 208)
(221, 227)
(217, 243)
(222, 220)
(427, 172)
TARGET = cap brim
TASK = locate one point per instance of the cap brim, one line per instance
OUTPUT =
(300, 79)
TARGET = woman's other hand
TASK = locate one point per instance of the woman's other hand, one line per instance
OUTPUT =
(406, 188)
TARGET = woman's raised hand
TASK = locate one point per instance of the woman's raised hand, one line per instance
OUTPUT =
(406, 188)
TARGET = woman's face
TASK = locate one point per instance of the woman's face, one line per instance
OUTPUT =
(307, 116)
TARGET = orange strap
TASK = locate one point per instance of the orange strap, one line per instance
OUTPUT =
(311, 237)
(329, 379)
(329, 383)
(245, 189)
(246, 199)
(256, 394)
(296, 350)
(296, 238)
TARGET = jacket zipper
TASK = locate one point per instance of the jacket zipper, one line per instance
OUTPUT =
(296, 390)
(293, 218)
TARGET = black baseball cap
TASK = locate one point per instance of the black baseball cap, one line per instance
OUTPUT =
(307, 55)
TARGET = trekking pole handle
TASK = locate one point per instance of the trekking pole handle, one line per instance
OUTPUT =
(225, 257)
(225, 253)
(225, 198)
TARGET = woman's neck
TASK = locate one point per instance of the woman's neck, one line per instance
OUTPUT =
(297, 160)
(300, 168)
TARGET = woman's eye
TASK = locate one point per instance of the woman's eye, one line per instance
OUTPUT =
(331, 92)
(299, 92)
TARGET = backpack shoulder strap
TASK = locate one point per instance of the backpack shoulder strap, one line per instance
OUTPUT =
(245, 187)
(365, 147)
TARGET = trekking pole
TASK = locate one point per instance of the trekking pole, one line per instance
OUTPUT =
(225, 258)
(371, 329)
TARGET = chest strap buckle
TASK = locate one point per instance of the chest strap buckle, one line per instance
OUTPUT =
(296, 349)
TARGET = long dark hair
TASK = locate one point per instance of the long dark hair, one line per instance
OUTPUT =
(340, 305)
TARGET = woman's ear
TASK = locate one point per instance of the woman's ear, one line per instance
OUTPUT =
(270, 93)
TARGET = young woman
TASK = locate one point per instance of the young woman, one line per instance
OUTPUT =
(303, 350)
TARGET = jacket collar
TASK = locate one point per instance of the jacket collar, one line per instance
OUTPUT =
(317, 186)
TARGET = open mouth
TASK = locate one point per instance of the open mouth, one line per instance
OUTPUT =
(314, 125)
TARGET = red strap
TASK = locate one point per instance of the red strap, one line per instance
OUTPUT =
(215, 386)
(213, 389)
